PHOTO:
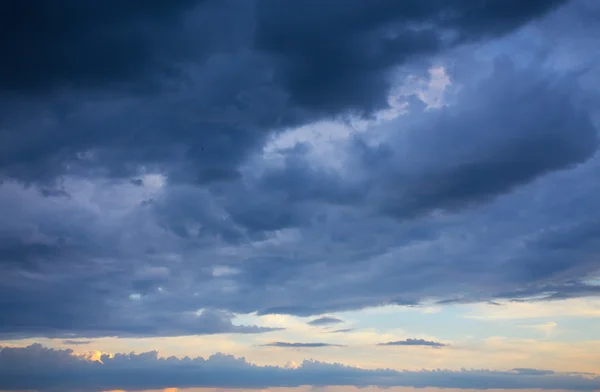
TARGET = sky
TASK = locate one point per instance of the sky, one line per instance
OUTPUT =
(299, 195)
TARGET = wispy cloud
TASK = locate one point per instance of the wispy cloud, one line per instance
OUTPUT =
(76, 342)
(300, 345)
(414, 342)
(343, 330)
(547, 329)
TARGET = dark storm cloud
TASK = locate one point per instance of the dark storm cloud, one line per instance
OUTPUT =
(83, 44)
(495, 138)
(336, 54)
(300, 345)
(434, 205)
(325, 321)
(215, 76)
(61, 370)
(488, 144)
(414, 342)
(106, 88)
(88, 44)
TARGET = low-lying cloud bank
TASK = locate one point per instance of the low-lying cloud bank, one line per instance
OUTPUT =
(39, 368)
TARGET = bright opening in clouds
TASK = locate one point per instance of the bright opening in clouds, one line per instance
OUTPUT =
(299, 195)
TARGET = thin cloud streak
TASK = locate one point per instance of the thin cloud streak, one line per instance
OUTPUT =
(300, 345)
(414, 342)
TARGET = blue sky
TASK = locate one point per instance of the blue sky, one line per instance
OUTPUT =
(299, 196)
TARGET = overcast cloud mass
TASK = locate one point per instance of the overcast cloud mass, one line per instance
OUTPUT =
(169, 166)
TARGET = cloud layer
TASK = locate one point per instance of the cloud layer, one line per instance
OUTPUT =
(164, 167)
(62, 370)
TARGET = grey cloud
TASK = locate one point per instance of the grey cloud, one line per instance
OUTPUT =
(137, 181)
(61, 370)
(414, 342)
(142, 323)
(551, 292)
(97, 43)
(300, 345)
(485, 145)
(338, 54)
(109, 46)
(193, 88)
(434, 161)
(492, 139)
(297, 310)
(325, 321)
(529, 371)
(343, 330)
(76, 342)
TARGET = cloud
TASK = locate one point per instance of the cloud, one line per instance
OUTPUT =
(348, 65)
(148, 68)
(300, 345)
(138, 197)
(62, 370)
(533, 371)
(443, 172)
(343, 330)
(414, 342)
(325, 321)
(83, 51)
(76, 342)
(204, 322)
